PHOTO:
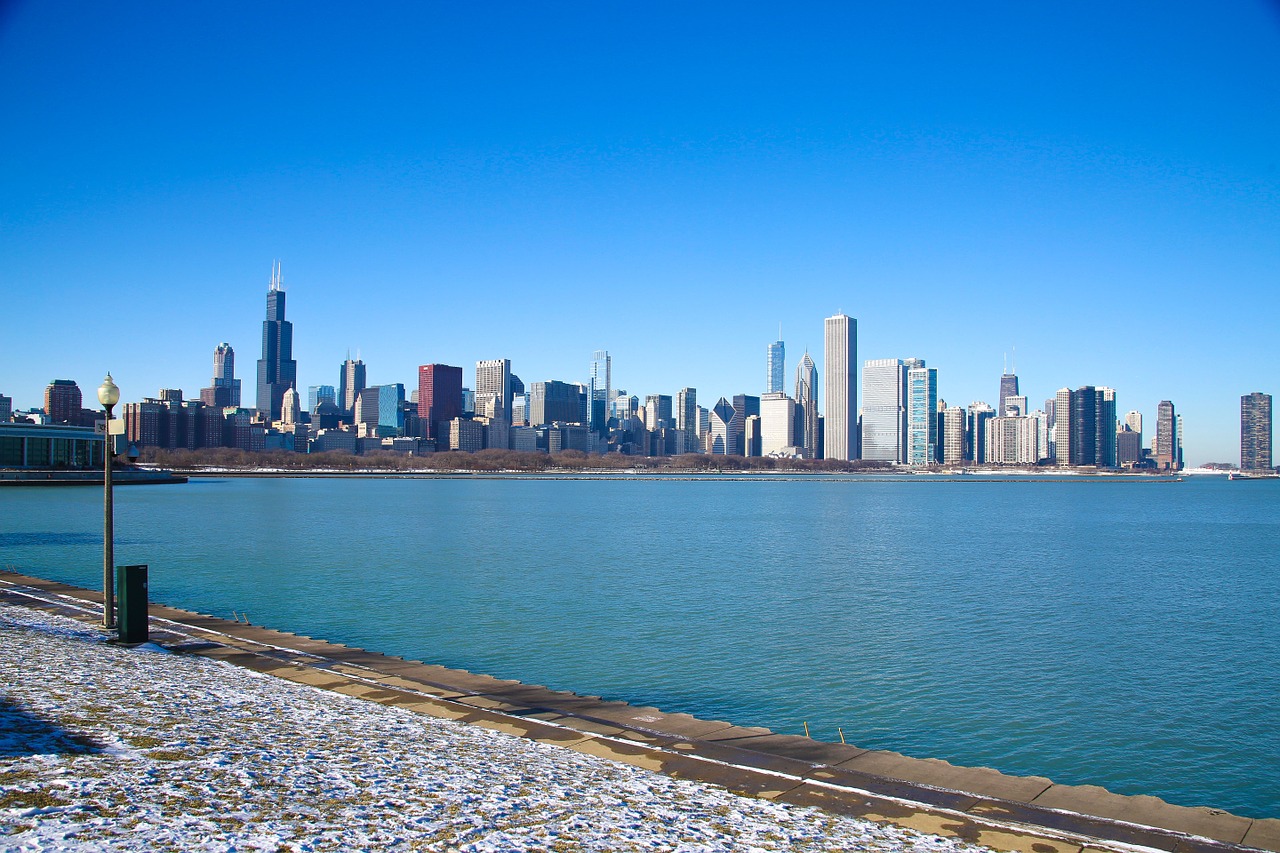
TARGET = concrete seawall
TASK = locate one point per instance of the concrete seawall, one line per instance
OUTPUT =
(978, 804)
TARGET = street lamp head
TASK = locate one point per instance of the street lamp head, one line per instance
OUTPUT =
(108, 393)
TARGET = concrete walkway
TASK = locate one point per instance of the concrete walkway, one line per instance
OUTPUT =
(976, 804)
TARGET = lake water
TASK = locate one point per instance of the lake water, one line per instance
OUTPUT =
(1122, 632)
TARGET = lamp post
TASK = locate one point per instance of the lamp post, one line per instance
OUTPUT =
(108, 396)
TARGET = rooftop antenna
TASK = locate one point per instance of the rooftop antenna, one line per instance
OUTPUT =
(1015, 359)
(1006, 364)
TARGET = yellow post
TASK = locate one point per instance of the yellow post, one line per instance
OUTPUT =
(806, 729)
(841, 731)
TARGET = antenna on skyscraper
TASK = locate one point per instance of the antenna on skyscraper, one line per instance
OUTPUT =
(1015, 359)
(1006, 364)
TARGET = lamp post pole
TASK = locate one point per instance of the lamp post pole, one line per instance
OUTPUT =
(108, 396)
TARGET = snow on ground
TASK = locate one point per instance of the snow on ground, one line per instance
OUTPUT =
(106, 748)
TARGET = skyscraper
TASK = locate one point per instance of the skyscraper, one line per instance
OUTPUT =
(955, 422)
(554, 402)
(1166, 442)
(350, 383)
(979, 434)
(493, 382)
(657, 411)
(922, 413)
(277, 371)
(290, 407)
(776, 377)
(1062, 427)
(317, 394)
(777, 423)
(744, 406)
(687, 415)
(1008, 388)
(1255, 432)
(1084, 427)
(601, 392)
(721, 427)
(439, 399)
(840, 411)
(224, 372)
(1105, 431)
(807, 405)
(884, 410)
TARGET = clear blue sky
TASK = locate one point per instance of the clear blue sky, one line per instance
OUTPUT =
(1095, 184)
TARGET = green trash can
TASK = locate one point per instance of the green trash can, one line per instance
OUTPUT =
(131, 603)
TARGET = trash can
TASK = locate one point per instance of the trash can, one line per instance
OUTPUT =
(131, 603)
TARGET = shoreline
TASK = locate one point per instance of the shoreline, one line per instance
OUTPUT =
(975, 477)
(971, 802)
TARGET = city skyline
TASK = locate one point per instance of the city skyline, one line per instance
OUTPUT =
(1076, 184)
(917, 416)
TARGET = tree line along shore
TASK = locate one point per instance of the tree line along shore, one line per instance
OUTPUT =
(487, 460)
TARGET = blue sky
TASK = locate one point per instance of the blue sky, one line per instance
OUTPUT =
(1095, 185)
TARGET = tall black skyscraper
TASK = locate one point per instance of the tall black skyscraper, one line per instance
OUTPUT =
(1008, 388)
(277, 371)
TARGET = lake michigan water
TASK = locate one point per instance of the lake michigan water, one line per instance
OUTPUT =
(1119, 632)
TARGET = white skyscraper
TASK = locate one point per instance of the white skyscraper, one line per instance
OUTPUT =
(884, 410)
(777, 423)
(776, 369)
(840, 409)
(493, 384)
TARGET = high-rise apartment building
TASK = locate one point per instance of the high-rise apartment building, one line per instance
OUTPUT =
(1085, 427)
(6, 409)
(776, 370)
(277, 371)
(978, 437)
(1255, 432)
(884, 410)
(351, 381)
(807, 406)
(493, 383)
(1061, 417)
(63, 402)
(840, 358)
(1165, 447)
(1106, 428)
(1014, 406)
(922, 413)
(1133, 420)
(1012, 440)
(955, 423)
(439, 399)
